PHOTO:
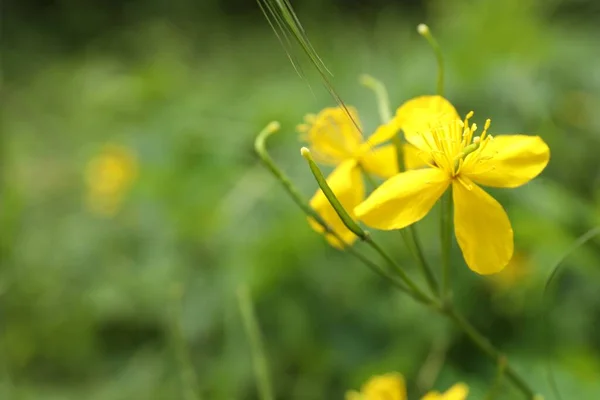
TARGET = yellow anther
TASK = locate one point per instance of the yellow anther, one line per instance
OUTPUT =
(476, 139)
(488, 122)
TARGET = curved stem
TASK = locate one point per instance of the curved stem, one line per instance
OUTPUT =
(426, 33)
(484, 345)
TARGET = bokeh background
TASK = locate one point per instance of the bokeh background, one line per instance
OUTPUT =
(133, 205)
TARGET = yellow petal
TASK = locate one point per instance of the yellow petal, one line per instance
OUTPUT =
(403, 199)
(333, 135)
(353, 395)
(456, 392)
(381, 161)
(414, 158)
(385, 387)
(347, 184)
(508, 161)
(482, 228)
(384, 133)
(419, 115)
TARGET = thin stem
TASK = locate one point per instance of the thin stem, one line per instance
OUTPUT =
(370, 180)
(261, 369)
(412, 241)
(353, 226)
(446, 241)
(491, 395)
(484, 345)
(410, 237)
(259, 147)
(383, 101)
(188, 375)
(331, 197)
(417, 293)
(426, 33)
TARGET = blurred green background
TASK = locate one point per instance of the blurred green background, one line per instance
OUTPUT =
(88, 299)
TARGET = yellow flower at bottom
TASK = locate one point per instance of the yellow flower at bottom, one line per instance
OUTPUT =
(456, 392)
(458, 159)
(108, 176)
(382, 387)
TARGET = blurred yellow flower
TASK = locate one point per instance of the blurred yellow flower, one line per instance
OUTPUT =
(391, 386)
(517, 270)
(457, 392)
(108, 176)
(457, 159)
(335, 139)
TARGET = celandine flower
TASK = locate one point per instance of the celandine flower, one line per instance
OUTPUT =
(459, 159)
(108, 177)
(381, 387)
(335, 139)
(392, 387)
(456, 392)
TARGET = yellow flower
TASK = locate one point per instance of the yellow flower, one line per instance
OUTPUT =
(517, 271)
(391, 386)
(382, 387)
(456, 392)
(334, 139)
(457, 159)
(108, 177)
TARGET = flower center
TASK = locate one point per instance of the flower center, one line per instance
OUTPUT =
(454, 143)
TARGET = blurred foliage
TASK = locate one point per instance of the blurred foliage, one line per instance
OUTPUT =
(86, 300)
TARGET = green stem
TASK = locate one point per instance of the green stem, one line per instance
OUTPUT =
(491, 395)
(446, 241)
(261, 369)
(331, 197)
(383, 101)
(188, 376)
(484, 345)
(410, 238)
(259, 147)
(414, 244)
(356, 229)
(426, 33)
(397, 141)
(416, 292)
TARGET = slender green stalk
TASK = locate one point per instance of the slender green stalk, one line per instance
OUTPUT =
(261, 368)
(331, 197)
(409, 236)
(484, 345)
(417, 293)
(370, 180)
(188, 375)
(383, 101)
(446, 240)
(492, 393)
(385, 112)
(426, 33)
(357, 230)
(259, 146)
(412, 241)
